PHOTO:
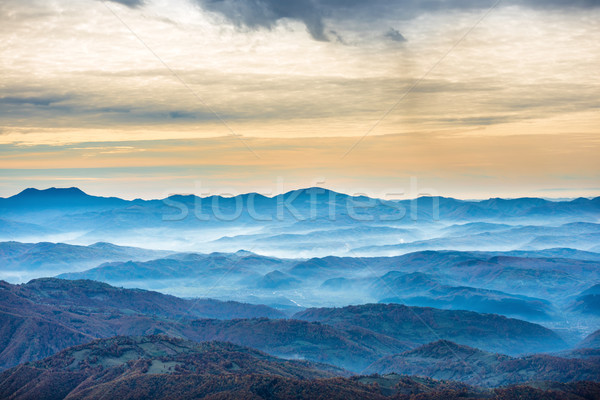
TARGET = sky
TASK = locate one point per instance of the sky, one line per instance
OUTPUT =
(147, 98)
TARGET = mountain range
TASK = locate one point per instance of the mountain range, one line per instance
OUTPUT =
(529, 285)
(45, 316)
(160, 367)
(312, 221)
(298, 296)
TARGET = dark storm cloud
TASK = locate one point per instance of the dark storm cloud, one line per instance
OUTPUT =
(359, 9)
(266, 13)
(410, 6)
(313, 13)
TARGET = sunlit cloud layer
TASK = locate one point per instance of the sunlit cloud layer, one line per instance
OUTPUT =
(107, 85)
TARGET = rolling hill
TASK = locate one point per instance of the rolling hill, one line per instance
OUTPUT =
(423, 325)
(576, 235)
(182, 266)
(527, 285)
(150, 367)
(418, 289)
(47, 315)
(592, 341)
(351, 348)
(45, 258)
(587, 302)
(161, 367)
(449, 361)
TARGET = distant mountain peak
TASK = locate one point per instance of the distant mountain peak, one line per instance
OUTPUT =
(315, 190)
(33, 199)
(53, 191)
(104, 245)
(244, 253)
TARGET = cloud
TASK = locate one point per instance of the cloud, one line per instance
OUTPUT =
(267, 13)
(97, 109)
(316, 14)
(33, 101)
(560, 3)
(394, 35)
(337, 37)
(129, 3)
(181, 115)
